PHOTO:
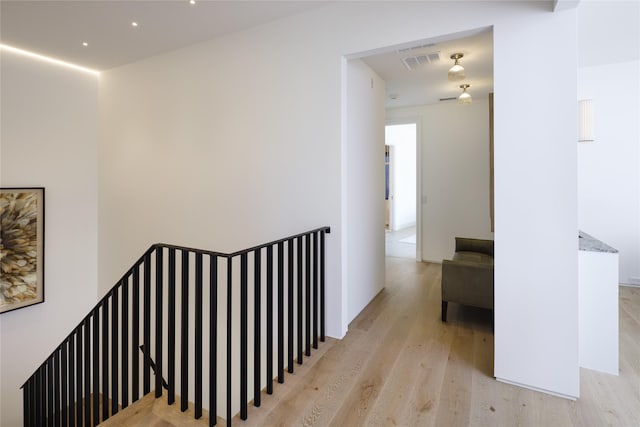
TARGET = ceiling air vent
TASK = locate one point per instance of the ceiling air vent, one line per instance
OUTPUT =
(414, 61)
(448, 99)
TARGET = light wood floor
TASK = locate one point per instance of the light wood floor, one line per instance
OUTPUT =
(399, 365)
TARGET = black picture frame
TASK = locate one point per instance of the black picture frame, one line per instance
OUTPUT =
(21, 247)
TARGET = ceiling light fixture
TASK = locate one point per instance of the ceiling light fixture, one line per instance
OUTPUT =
(457, 71)
(192, 1)
(85, 44)
(464, 97)
(134, 24)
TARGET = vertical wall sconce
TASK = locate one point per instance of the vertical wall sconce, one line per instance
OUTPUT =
(585, 120)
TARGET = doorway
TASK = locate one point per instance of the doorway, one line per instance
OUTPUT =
(401, 227)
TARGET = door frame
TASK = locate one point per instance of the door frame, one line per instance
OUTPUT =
(416, 120)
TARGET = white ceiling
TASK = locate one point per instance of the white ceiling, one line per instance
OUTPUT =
(608, 31)
(58, 28)
(428, 82)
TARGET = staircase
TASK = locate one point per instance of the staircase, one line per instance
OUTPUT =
(212, 326)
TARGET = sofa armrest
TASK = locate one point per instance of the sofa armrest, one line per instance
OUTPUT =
(467, 283)
(464, 244)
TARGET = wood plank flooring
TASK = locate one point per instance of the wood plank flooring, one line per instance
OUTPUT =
(399, 365)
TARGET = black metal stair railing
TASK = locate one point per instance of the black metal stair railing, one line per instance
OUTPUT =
(168, 305)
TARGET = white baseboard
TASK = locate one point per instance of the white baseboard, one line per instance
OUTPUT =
(541, 390)
(632, 281)
(630, 285)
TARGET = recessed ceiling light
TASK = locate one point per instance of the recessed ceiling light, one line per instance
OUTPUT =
(192, 1)
(134, 24)
(85, 44)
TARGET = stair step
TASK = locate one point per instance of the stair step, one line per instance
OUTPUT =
(152, 412)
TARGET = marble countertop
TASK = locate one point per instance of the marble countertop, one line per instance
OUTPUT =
(591, 244)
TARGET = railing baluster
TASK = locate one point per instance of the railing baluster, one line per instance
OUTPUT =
(41, 406)
(257, 303)
(308, 296)
(146, 334)
(114, 352)
(299, 298)
(269, 319)
(171, 340)
(243, 336)
(87, 371)
(135, 335)
(72, 380)
(315, 290)
(26, 418)
(50, 408)
(26, 405)
(96, 366)
(229, 313)
(79, 396)
(159, 311)
(213, 338)
(56, 387)
(198, 338)
(322, 279)
(280, 312)
(64, 386)
(105, 359)
(184, 334)
(35, 398)
(290, 331)
(124, 350)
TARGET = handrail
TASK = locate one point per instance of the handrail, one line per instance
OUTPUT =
(102, 350)
(101, 300)
(326, 230)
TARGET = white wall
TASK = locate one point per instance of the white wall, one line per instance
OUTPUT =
(536, 286)
(455, 173)
(210, 153)
(193, 143)
(609, 168)
(364, 160)
(48, 139)
(402, 138)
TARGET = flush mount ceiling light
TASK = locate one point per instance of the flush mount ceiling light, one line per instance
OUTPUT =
(457, 71)
(464, 97)
(134, 24)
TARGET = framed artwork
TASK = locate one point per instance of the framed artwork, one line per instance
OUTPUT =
(21, 247)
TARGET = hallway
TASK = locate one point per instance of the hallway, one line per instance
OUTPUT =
(400, 243)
